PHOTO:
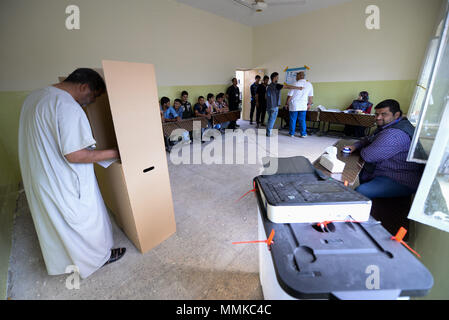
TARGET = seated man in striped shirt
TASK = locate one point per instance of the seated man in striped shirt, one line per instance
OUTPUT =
(386, 173)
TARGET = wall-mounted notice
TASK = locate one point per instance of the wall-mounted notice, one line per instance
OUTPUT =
(290, 73)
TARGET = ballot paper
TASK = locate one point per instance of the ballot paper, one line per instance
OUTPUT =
(107, 163)
(104, 163)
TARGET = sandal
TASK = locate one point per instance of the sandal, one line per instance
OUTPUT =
(116, 254)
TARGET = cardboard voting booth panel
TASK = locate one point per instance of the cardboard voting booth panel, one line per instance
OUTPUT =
(137, 188)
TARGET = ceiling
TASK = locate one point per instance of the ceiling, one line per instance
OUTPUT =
(231, 10)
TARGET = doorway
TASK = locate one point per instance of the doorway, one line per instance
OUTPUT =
(245, 78)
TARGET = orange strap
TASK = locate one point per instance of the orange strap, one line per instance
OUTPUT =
(246, 194)
(270, 238)
(255, 241)
(253, 190)
(399, 236)
(269, 241)
(325, 223)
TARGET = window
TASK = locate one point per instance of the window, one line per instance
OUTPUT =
(431, 92)
(431, 140)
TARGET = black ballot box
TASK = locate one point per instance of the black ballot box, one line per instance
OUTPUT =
(345, 259)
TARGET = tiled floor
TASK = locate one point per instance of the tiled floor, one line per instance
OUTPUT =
(198, 262)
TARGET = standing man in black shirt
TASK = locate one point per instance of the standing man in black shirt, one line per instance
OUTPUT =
(233, 97)
(253, 89)
(261, 102)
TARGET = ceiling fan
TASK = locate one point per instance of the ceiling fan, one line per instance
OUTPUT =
(261, 5)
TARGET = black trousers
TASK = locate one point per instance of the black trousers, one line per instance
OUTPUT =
(355, 131)
(260, 114)
(251, 113)
(392, 213)
(232, 124)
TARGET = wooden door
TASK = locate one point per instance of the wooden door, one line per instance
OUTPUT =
(249, 76)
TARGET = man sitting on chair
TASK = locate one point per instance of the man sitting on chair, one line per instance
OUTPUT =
(386, 173)
(212, 107)
(221, 103)
(223, 107)
(168, 112)
(361, 105)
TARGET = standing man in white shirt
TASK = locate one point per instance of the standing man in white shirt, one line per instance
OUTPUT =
(298, 102)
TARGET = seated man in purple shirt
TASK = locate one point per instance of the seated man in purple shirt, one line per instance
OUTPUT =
(386, 173)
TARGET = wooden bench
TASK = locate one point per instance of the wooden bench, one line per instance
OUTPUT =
(225, 117)
(353, 119)
(186, 124)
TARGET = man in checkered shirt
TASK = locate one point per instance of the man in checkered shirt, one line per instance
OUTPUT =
(386, 173)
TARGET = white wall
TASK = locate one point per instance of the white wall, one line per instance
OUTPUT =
(186, 45)
(337, 46)
(193, 47)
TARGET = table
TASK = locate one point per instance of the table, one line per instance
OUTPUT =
(225, 117)
(186, 124)
(353, 163)
(354, 119)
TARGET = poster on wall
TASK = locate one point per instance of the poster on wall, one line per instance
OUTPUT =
(290, 74)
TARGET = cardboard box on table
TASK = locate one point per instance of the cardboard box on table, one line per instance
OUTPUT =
(136, 189)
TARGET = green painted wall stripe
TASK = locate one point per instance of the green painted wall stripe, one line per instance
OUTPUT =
(8, 197)
(10, 104)
(194, 91)
(329, 94)
(339, 95)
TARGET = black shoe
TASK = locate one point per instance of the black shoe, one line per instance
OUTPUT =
(116, 254)
(250, 122)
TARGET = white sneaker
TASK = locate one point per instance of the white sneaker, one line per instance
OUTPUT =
(292, 135)
(304, 136)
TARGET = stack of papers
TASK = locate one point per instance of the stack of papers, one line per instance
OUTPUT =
(322, 108)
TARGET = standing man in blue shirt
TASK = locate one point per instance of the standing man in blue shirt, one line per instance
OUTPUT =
(253, 89)
(274, 99)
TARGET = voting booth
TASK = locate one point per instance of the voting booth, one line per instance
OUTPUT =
(136, 189)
